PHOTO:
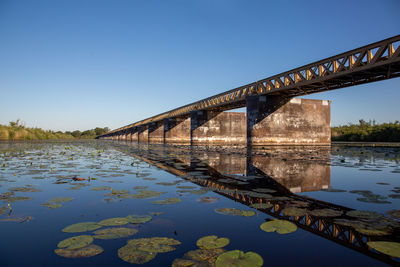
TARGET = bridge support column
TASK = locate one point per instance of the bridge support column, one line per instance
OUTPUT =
(218, 128)
(143, 133)
(134, 135)
(156, 132)
(177, 130)
(276, 120)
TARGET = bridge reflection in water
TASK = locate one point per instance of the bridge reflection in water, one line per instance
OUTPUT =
(234, 174)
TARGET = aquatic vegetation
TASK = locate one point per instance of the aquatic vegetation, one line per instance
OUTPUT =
(235, 212)
(24, 189)
(380, 227)
(388, 248)
(334, 190)
(147, 194)
(325, 212)
(171, 200)
(166, 183)
(81, 227)
(198, 257)
(15, 199)
(114, 221)
(100, 188)
(75, 242)
(370, 197)
(294, 211)
(299, 204)
(186, 187)
(264, 190)
(396, 196)
(212, 242)
(394, 213)
(85, 252)
(207, 199)
(132, 254)
(143, 250)
(239, 258)
(261, 205)
(3, 210)
(61, 199)
(140, 187)
(138, 218)
(364, 214)
(114, 232)
(279, 226)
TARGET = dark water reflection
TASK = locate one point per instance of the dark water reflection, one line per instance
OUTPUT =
(234, 176)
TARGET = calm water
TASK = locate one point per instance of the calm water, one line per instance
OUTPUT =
(204, 181)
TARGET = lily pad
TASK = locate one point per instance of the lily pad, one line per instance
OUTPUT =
(239, 258)
(264, 190)
(114, 232)
(147, 194)
(100, 188)
(294, 211)
(183, 263)
(207, 199)
(186, 187)
(3, 210)
(235, 212)
(279, 226)
(61, 199)
(114, 221)
(394, 213)
(132, 254)
(388, 248)
(138, 218)
(154, 244)
(15, 199)
(261, 205)
(364, 214)
(76, 242)
(171, 200)
(81, 227)
(85, 252)
(140, 187)
(325, 212)
(203, 257)
(212, 242)
(24, 189)
(334, 190)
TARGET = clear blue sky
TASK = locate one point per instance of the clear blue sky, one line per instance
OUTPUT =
(79, 64)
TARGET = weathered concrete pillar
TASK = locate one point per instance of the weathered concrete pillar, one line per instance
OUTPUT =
(156, 132)
(177, 130)
(143, 132)
(218, 128)
(275, 120)
(135, 135)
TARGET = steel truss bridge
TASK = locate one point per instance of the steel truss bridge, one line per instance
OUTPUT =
(374, 62)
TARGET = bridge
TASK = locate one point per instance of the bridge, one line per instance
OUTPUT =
(273, 113)
(186, 163)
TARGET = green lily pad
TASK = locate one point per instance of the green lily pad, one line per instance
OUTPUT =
(81, 227)
(235, 212)
(299, 204)
(85, 252)
(61, 199)
(171, 200)
(261, 205)
(212, 242)
(368, 228)
(334, 190)
(76, 242)
(132, 254)
(183, 263)
(388, 248)
(138, 218)
(15, 199)
(100, 188)
(154, 244)
(364, 214)
(279, 226)
(207, 200)
(114, 232)
(396, 196)
(203, 257)
(114, 221)
(147, 194)
(394, 213)
(294, 211)
(140, 187)
(186, 187)
(51, 205)
(325, 212)
(264, 190)
(239, 258)
(24, 189)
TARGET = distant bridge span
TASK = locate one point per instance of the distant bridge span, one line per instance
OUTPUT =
(370, 63)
